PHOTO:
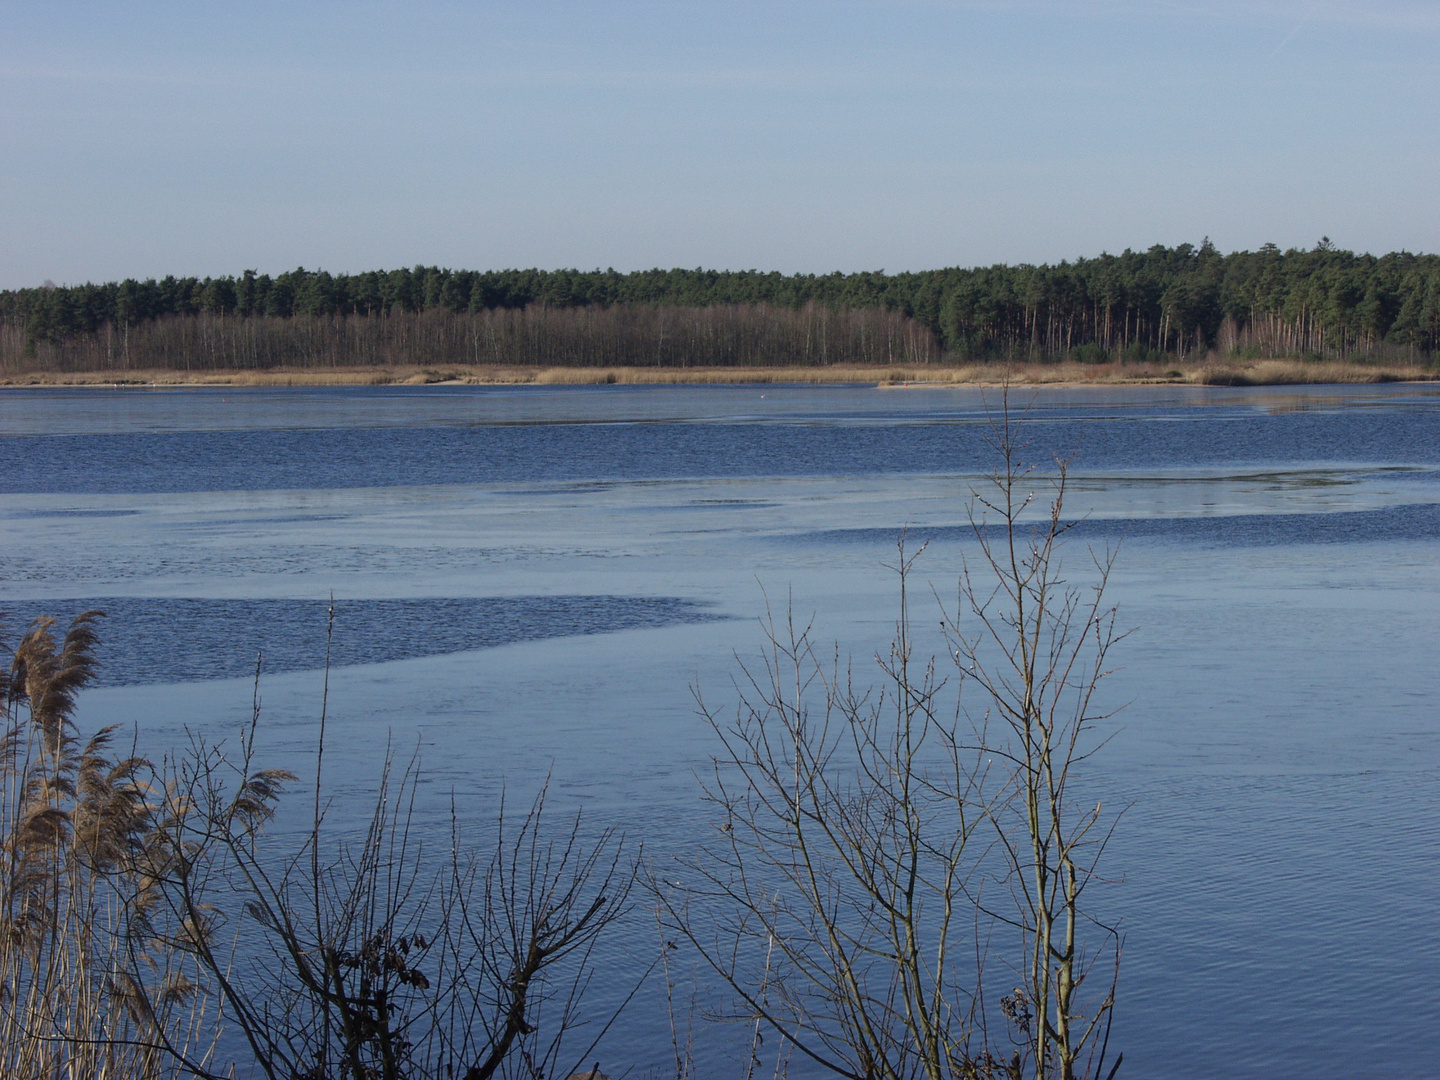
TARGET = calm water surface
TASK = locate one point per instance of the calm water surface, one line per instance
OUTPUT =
(530, 580)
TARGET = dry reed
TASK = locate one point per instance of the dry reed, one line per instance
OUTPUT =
(92, 983)
(1208, 373)
(1301, 372)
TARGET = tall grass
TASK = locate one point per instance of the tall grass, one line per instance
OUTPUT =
(94, 982)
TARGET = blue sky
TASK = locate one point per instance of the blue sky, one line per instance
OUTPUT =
(140, 139)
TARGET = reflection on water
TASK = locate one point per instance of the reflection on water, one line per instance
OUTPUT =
(97, 441)
(595, 552)
(96, 411)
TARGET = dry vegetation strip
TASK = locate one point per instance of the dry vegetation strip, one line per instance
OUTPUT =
(1228, 373)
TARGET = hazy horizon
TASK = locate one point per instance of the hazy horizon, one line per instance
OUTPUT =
(151, 139)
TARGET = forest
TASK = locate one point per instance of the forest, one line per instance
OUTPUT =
(1185, 302)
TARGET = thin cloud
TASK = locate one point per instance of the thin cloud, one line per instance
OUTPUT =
(1374, 14)
(1403, 15)
(1290, 36)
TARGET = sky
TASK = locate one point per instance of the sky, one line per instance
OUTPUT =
(141, 139)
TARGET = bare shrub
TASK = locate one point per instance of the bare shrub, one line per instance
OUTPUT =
(377, 957)
(1036, 649)
(884, 848)
(141, 908)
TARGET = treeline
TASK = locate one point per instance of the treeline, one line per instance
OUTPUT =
(1181, 301)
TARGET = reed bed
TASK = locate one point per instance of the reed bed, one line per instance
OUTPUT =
(1207, 373)
(1300, 372)
(95, 981)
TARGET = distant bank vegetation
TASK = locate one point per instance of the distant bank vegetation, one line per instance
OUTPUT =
(1182, 303)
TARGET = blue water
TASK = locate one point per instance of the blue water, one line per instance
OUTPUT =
(294, 438)
(168, 639)
(531, 581)
(1415, 521)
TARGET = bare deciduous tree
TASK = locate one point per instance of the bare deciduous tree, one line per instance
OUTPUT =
(1036, 648)
(835, 903)
(879, 850)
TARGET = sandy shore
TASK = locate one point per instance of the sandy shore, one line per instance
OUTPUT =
(1224, 373)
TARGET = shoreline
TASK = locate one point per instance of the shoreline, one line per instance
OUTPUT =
(1215, 373)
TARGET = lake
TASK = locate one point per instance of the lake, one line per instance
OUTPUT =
(533, 580)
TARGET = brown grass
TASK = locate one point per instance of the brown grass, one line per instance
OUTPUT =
(1206, 373)
(1299, 372)
(93, 980)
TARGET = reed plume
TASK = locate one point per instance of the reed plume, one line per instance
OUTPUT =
(88, 985)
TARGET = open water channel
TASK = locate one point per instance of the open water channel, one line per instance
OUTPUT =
(531, 581)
